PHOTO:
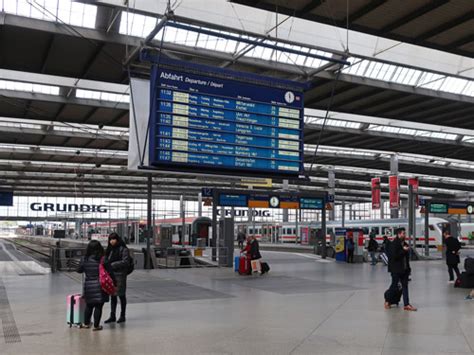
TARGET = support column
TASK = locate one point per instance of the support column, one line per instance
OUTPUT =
(394, 213)
(182, 214)
(382, 209)
(148, 218)
(285, 211)
(331, 191)
(427, 228)
(323, 233)
(343, 213)
(199, 204)
(351, 217)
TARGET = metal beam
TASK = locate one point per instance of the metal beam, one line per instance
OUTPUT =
(364, 10)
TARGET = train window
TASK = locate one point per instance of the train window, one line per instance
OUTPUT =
(432, 228)
(329, 231)
(387, 231)
(294, 231)
(376, 230)
(365, 230)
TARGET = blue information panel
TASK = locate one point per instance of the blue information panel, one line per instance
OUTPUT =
(210, 124)
(6, 198)
(233, 200)
(311, 203)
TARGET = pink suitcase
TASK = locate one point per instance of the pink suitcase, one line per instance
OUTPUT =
(76, 306)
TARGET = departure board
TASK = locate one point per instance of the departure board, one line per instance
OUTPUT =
(219, 125)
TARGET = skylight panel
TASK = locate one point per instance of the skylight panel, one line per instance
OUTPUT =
(67, 11)
(28, 87)
(101, 95)
(454, 85)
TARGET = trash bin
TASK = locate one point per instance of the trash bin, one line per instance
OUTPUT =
(184, 258)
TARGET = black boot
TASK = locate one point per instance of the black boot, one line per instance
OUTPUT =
(111, 319)
(122, 318)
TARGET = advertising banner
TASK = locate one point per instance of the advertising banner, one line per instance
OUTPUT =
(376, 193)
(394, 192)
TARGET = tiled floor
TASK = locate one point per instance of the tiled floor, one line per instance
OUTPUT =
(304, 306)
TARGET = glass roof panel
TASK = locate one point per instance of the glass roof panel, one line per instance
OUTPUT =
(36, 88)
(67, 11)
(408, 76)
(101, 95)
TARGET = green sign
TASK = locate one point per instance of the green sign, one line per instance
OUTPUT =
(439, 208)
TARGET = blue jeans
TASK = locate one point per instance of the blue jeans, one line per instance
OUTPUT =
(403, 279)
(372, 256)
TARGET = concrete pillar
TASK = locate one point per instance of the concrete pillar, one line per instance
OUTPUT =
(394, 213)
(343, 213)
(199, 204)
(285, 211)
(350, 212)
(331, 191)
(382, 209)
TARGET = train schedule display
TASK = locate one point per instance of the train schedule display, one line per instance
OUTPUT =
(205, 124)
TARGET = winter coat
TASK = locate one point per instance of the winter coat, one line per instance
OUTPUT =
(92, 291)
(452, 248)
(119, 260)
(397, 257)
(255, 250)
(373, 245)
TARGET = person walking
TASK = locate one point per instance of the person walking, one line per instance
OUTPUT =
(118, 256)
(93, 294)
(350, 250)
(452, 255)
(398, 267)
(240, 239)
(372, 248)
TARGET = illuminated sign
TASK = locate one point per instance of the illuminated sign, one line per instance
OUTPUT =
(67, 207)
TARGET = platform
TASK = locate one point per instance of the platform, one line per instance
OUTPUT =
(305, 305)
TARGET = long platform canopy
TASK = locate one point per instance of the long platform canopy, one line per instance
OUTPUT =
(64, 97)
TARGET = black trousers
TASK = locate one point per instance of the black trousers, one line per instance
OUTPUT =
(241, 244)
(350, 256)
(403, 279)
(451, 268)
(97, 309)
(123, 304)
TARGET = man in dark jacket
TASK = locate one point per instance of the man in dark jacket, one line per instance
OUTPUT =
(452, 255)
(398, 266)
(372, 248)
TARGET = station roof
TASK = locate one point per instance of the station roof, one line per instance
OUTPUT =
(64, 106)
(443, 24)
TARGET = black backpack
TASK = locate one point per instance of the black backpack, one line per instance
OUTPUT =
(131, 262)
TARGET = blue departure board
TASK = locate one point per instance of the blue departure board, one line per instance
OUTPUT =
(6, 198)
(233, 200)
(225, 125)
(311, 203)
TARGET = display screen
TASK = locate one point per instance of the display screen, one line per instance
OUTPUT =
(215, 125)
(232, 200)
(439, 208)
(311, 203)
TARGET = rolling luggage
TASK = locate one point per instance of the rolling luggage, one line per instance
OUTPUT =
(393, 296)
(76, 306)
(466, 280)
(265, 267)
(244, 266)
(236, 263)
(469, 265)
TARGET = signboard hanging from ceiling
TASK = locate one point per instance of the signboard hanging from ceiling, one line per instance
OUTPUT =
(214, 121)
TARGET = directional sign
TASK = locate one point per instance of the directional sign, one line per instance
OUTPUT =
(206, 192)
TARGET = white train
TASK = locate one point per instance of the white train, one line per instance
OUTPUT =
(285, 232)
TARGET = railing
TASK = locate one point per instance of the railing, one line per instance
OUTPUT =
(191, 257)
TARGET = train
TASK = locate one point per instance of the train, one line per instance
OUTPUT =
(280, 232)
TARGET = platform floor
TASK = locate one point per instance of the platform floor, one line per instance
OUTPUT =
(304, 306)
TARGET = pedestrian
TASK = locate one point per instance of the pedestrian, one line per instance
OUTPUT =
(372, 248)
(350, 250)
(93, 294)
(452, 255)
(118, 256)
(240, 239)
(398, 266)
(255, 255)
(470, 296)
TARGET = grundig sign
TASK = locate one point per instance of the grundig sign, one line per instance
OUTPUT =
(67, 207)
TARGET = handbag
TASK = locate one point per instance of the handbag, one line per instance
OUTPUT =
(255, 265)
(106, 282)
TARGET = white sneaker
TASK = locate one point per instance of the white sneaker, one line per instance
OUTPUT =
(450, 281)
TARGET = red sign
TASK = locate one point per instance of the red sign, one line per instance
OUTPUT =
(394, 191)
(415, 183)
(376, 193)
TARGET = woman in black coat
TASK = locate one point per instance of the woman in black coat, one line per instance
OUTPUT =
(452, 255)
(93, 294)
(118, 256)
